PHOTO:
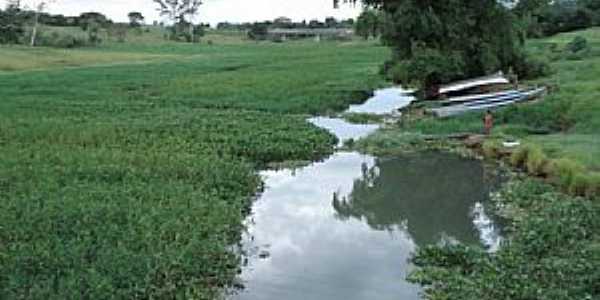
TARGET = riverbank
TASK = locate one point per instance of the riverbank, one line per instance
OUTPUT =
(552, 250)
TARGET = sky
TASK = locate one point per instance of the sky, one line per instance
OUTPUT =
(213, 11)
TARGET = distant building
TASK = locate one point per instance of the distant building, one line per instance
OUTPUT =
(318, 34)
(282, 20)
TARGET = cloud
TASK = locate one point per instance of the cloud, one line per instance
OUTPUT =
(213, 11)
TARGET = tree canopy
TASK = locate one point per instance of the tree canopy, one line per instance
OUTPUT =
(11, 24)
(369, 24)
(437, 41)
(135, 18)
(179, 11)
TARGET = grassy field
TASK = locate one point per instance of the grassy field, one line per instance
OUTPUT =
(126, 170)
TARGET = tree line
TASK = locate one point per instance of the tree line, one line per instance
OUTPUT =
(541, 18)
(19, 25)
(286, 23)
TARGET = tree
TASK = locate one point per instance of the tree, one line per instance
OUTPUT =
(11, 23)
(135, 19)
(437, 41)
(38, 9)
(181, 12)
(93, 19)
(331, 22)
(368, 24)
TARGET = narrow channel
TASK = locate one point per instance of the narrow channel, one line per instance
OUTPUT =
(345, 228)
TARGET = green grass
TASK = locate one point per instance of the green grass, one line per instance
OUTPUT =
(131, 180)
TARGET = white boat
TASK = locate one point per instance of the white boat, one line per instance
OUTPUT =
(478, 97)
(497, 78)
(490, 103)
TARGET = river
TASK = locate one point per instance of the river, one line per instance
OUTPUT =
(345, 227)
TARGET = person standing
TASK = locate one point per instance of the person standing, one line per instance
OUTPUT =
(488, 122)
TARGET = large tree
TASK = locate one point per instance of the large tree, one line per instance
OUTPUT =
(437, 41)
(181, 12)
(135, 19)
(368, 24)
(11, 23)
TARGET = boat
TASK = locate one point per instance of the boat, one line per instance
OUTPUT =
(478, 97)
(501, 100)
(454, 87)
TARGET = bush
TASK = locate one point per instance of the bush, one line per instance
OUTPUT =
(491, 149)
(58, 40)
(593, 188)
(565, 170)
(578, 44)
(537, 161)
(579, 185)
(519, 157)
(531, 66)
(587, 185)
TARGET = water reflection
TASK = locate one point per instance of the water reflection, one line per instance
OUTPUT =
(385, 101)
(344, 130)
(300, 246)
(430, 194)
(311, 253)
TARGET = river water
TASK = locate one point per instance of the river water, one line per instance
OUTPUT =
(345, 228)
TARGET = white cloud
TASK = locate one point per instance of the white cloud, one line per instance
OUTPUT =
(212, 11)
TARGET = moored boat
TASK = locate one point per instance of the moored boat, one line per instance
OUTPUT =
(501, 100)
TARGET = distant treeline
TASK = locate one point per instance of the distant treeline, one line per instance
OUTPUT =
(288, 24)
(546, 18)
(14, 24)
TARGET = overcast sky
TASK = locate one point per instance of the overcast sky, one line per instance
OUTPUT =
(212, 11)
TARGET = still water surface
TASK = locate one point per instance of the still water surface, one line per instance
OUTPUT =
(345, 228)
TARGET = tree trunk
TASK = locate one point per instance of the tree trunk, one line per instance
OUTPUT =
(34, 30)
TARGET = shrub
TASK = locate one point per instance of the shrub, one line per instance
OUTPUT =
(68, 41)
(491, 149)
(532, 66)
(63, 41)
(579, 185)
(565, 170)
(578, 44)
(593, 188)
(536, 161)
(519, 157)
